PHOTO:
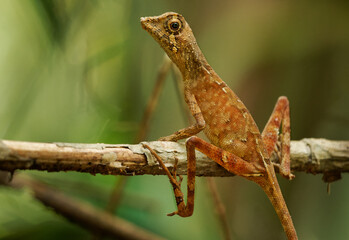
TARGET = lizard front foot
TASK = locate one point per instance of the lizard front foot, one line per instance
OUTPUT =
(172, 214)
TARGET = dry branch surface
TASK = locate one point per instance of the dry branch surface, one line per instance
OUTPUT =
(307, 155)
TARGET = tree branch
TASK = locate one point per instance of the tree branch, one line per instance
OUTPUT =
(307, 155)
(79, 212)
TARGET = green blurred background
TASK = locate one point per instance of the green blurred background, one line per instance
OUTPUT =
(82, 71)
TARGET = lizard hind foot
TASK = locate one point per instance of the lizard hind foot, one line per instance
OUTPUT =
(284, 172)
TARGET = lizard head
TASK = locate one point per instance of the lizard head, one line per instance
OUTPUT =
(174, 35)
(169, 30)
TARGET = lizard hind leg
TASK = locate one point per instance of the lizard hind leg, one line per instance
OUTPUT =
(229, 161)
(183, 210)
(276, 136)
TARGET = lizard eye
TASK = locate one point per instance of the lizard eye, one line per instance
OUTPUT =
(174, 25)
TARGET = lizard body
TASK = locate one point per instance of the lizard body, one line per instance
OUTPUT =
(236, 142)
(228, 124)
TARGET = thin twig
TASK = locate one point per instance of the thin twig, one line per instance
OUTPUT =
(144, 126)
(162, 74)
(307, 155)
(179, 87)
(79, 212)
(116, 193)
(220, 208)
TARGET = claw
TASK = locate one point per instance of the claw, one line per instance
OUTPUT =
(290, 176)
(180, 180)
(167, 138)
(172, 214)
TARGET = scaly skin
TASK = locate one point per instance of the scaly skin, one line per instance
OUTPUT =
(237, 144)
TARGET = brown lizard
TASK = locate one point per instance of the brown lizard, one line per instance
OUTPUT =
(236, 143)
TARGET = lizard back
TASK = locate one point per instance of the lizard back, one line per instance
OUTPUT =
(229, 125)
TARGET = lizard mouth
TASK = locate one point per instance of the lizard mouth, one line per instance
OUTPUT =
(146, 23)
(143, 22)
(150, 24)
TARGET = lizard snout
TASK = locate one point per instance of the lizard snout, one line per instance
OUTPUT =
(146, 23)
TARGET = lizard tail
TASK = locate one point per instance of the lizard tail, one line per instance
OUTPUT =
(271, 187)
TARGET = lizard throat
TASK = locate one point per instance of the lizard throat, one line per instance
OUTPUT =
(189, 59)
